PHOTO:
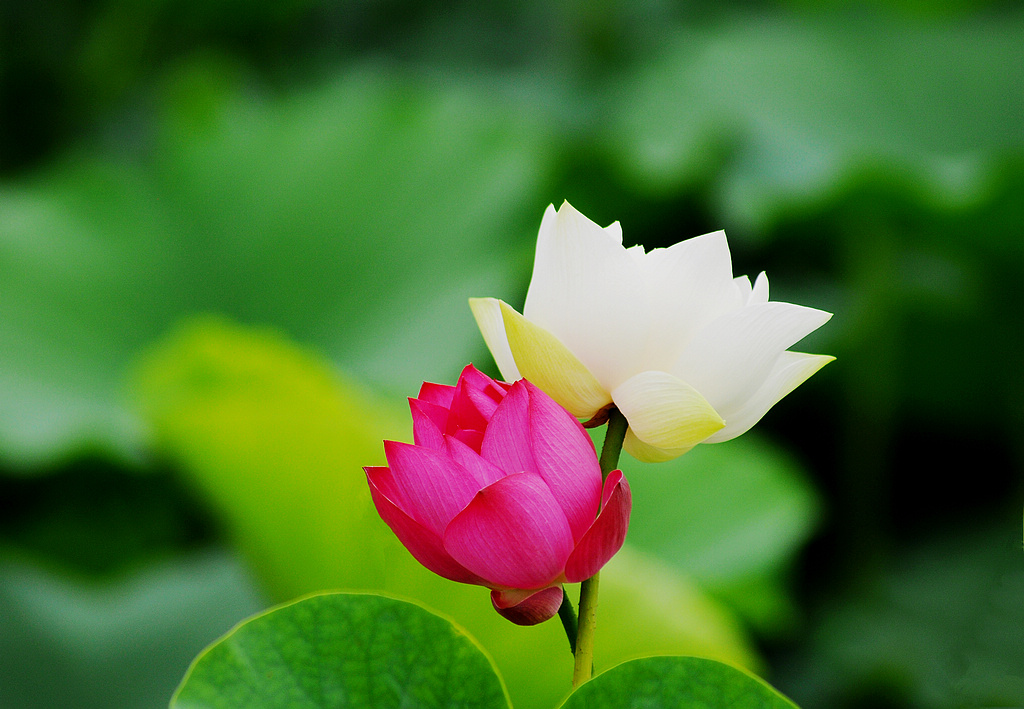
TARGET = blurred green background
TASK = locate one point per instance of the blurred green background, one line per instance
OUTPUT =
(233, 237)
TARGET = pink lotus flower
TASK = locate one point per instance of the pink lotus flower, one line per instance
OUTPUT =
(502, 488)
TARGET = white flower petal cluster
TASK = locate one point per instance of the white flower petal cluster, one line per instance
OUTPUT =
(687, 352)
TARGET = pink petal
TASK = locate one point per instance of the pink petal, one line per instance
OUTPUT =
(485, 400)
(606, 535)
(473, 439)
(381, 478)
(506, 440)
(427, 485)
(465, 413)
(484, 473)
(440, 394)
(428, 423)
(477, 381)
(566, 459)
(476, 397)
(423, 544)
(513, 533)
(527, 607)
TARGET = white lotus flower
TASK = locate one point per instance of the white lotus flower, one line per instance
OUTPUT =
(685, 351)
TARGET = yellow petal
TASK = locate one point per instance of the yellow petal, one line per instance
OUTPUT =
(665, 412)
(544, 360)
(649, 454)
(487, 312)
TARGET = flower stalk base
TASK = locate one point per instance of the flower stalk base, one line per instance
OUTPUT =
(583, 668)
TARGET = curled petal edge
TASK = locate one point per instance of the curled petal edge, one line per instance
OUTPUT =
(423, 544)
(527, 607)
(791, 370)
(649, 454)
(606, 535)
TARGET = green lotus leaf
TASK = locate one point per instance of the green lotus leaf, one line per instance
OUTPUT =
(343, 650)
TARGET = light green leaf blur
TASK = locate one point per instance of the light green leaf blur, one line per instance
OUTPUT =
(341, 214)
(730, 516)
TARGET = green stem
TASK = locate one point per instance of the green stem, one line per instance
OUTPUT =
(584, 665)
(613, 439)
(583, 668)
(567, 614)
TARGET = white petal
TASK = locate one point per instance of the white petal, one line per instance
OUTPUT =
(636, 253)
(759, 294)
(487, 312)
(791, 370)
(587, 291)
(743, 286)
(730, 359)
(665, 412)
(690, 285)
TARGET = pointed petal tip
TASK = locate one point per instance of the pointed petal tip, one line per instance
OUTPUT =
(567, 215)
(792, 370)
(488, 313)
(823, 315)
(716, 234)
(471, 373)
(716, 240)
(480, 304)
(812, 363)
(390, 446)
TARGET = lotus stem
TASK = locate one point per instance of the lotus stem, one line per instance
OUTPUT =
(583, 668)
(567, 614)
